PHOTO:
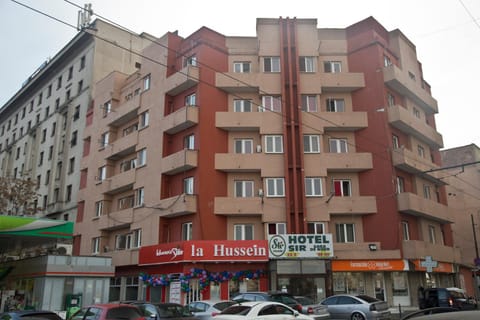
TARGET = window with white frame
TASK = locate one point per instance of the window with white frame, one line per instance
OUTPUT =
(309, 103)
(126, 202)
(96, 245)
(332, 66)
(244, 189)
(140, 197)
(243, 232)
(400, 185)
(277, 228)
(128, 164)
(421, 151)
(242, 105)
(311, 143)
(390, 99)
(335, 105)
(395, 142)
(241, 67)
(431, 234)
(416, 113)
(102, 173)
(342, 187)
(191, 61)
(271, 64)
(405, 230)
(189, 142)
(274, 144)
(191, 100)
(275, 187)
(107, 108)
(345, 232)
(427, 194)
(146, 83)
(98, 208)
(187, 229)
(188, 185)
(136, 238)
(142, 157)
(243, 146)
(307, 64)
(104, 139)
(313, 187)
(387, 61)
(338, 145)
(316, 227)
(271, 103)
(121, 241)
(144, 118)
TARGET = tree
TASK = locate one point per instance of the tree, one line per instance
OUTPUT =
(17, 196)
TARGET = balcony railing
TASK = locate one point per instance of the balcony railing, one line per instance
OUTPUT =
(411, 162)
(265, 122)
(418, 249)
(249, 206)
(412, 204)
(180, 205)
(181, 119)
(182, 80)
(180, 161)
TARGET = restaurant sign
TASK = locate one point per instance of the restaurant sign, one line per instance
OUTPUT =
(291, 246)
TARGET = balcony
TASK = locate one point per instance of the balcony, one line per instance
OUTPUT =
(268, 165)
(255, 82)
(335, 121)
(119, 183)
(402, 119)
(122, 146)
(181, 119)
(399, 81)
(123, 114)
(346, 162)
(418, 249)
(180, 161)
(115, 220)
(417, 206)
(411, 162)
(352, 205)
(123, 257)
(341, 82)
(182, 80)
(264, 122)
(251, 206)
(180, 205)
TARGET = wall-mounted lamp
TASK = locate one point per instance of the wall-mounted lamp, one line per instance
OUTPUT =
(372, 247)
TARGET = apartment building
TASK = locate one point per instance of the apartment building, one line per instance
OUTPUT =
(295, 159)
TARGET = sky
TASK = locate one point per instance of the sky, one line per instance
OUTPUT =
(446, 34)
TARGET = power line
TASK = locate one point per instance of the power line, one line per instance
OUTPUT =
(470, 14)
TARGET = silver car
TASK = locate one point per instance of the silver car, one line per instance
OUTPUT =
(206, 309)
(356, 307)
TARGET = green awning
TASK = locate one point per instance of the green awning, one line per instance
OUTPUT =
(34, 227)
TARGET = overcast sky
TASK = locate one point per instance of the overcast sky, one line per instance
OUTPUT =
(446, 34)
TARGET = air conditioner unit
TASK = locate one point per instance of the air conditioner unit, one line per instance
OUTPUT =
(64, 249)
(259, 148)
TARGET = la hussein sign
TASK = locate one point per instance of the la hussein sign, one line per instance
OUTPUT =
(205, 250)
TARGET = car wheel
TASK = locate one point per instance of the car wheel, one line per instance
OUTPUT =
(357, 316)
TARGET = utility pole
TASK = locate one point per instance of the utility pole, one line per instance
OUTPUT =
(476, 261)
(474, 238)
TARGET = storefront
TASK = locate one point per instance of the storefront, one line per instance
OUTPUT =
(210, 269)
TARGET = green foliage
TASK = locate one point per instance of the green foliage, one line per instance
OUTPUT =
(17, 196)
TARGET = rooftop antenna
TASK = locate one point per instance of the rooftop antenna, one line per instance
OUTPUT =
(84, 17)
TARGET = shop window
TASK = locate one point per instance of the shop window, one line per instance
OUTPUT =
(349, 283)
(246, 285)
(399, 284)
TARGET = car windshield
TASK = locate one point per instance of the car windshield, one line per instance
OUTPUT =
(173, 311)
(223, 305)
(123, 313)
(238, 310)
(368, 298)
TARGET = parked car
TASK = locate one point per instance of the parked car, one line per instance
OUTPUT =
(428, 311)
(281, 297)
(166, 310)
(29, 314)
(463, 315)
(252, 310)
(206, 309)
(110, 311)
(446, 297)
(315, 310)
(356, 307)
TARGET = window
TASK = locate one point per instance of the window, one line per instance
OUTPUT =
(146, 83)
(79, 86)
(188, 185)
(275, 187)
(137, 238)
(17, 156)
(128, 164)
(191, 100)
(242, 105)
(139, 197)
(335, 105)
(70, 73)
(309, 103)
(76, 113)
(44, 135)
(107, 108)
(342, 188)
(421, 151)
(431, 234)
(316, 227)
(395, 142)
(243, 232)
(427, 192)
(121, 241)
(49, 90)
(144, 118)
(96, 245)
(273, 144)
(307, 64)
(271, 103)
(40, 97)
(71, 165)
(345, 232)
(40, 160)
(104, 139)
(271, 64)
(142, 157)
(126, 202)
(98, 208)
(338, 145)
(244, 189)
(73, 141)
(191, 61)
(277, 228)
(59, 82)
(416, 113)
(68, 196)
(400, 185)
(189, 142)
(58, 172)
(241, 67)
(405, 230)
(102, 173)
(39, 180)
(313, 187)
(187, 229)
(54, 127)
(332, 66)
(386, 61)
(311, 143)
(243, 146)
(390, 99)
(411, 75)
(82, 63)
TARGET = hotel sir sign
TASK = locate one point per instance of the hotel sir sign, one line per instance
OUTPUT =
(300, 246)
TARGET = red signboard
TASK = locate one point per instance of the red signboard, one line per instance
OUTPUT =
(205, 251)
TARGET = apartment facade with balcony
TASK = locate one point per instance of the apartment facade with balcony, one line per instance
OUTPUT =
(218, 144)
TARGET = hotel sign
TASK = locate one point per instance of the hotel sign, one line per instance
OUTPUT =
(291, 246)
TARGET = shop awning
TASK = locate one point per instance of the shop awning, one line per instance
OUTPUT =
(35, 227)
